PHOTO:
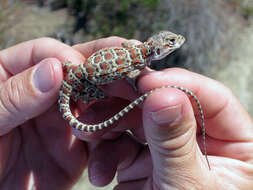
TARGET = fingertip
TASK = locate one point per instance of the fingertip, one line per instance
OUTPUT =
(170, 129)
(167, 113)
(102, 169)
(136, 42)
(168, 99)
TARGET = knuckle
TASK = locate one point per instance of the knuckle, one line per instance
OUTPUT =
(48, 42)
(12, 96)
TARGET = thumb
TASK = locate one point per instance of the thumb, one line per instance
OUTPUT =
(170, 129)
(29, 93)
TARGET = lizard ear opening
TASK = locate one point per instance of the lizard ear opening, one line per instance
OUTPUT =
(172, 41)
(158, 51)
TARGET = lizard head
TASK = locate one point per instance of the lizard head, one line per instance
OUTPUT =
(164, 43)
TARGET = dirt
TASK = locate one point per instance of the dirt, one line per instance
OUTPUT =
(34, 24)
(237, 74)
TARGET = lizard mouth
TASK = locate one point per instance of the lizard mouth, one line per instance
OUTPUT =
(163, 54)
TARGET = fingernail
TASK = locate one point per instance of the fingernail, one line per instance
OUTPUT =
(170, 115)
(44, 77)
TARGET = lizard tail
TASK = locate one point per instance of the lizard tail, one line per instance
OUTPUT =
(65, 94)
(64, 100)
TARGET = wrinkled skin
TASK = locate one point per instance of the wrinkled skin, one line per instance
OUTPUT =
(37, 148)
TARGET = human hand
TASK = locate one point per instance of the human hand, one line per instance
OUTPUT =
(36, 145)
(173, 159)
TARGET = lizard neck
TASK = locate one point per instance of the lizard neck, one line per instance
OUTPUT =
(146, 50)
(141, 55)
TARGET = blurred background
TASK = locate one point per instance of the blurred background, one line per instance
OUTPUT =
(219, 34)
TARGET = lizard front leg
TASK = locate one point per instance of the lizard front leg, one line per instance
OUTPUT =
(131, 77)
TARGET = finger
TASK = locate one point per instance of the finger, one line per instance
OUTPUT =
(101, 168)
(23, 56)
(141, 168)
(6, 152)
(133, 185)
(170, 129)
(231, 149)
(90, 47)
(224, 115)
(29, 93)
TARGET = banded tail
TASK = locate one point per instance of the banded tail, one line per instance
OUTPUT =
(65, 94)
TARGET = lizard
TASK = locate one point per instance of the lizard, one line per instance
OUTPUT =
(114, 63)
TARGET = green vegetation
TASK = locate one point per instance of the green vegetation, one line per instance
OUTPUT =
(139, 19)
(107, 17)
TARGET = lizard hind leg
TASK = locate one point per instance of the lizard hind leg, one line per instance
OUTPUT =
(132, 78)
(87, 92)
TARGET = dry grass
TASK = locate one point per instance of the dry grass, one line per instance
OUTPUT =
(34, 23)
(10, 12)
